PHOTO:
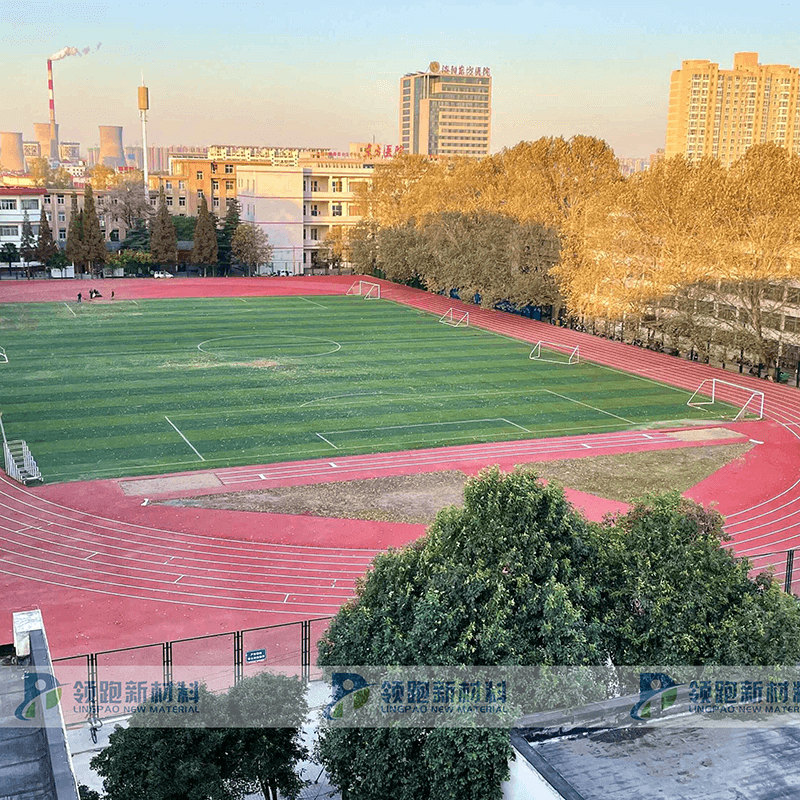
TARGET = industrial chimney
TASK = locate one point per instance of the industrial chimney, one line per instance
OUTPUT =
(12, 158)
(42, 131)
(53, 126)
(111, 151)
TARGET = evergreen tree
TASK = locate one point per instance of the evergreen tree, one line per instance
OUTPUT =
(138, 238)
(94, 246)
(27, 247)
(46, 248)
(163, 239)
(9, 254)
(225, 235)
(205, 250)
(74, 249)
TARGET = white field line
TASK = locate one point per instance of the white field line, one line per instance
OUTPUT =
(183, 437)
(326, 440)
(312, 302)
(594, 408)
(527, 430)
(425, 425)
(71, 311)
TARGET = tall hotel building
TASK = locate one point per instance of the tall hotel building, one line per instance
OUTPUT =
(446, 111)
(721, 112)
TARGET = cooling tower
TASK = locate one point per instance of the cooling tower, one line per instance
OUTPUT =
(47, 144)
(111, 151)
(12, 158)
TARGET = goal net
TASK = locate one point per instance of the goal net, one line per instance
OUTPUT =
(3, 356)
(367, 290)
(455, 318)
(555, 353)
(714, 390)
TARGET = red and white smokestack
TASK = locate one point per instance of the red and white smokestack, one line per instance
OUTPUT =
(53, 126)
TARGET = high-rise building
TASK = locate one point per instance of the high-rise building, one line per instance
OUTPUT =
(446, 111)
(721, 112)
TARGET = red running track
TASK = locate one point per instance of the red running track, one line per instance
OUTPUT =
(112, 573)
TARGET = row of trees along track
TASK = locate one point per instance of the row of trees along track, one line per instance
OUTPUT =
(691, 251)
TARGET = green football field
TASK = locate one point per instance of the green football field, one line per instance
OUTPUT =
(158, 386)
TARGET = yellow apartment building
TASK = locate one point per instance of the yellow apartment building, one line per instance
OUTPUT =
(721, 112)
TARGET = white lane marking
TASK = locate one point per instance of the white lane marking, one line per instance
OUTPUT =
(71, 311)
(527, 430)
(183, 437)
(325, 440)
(312, 302)
(594, 408)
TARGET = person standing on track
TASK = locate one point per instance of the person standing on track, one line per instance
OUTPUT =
(80, 297)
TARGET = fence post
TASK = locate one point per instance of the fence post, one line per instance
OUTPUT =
(741, 361)
(797, 376)
(166, 662)
(787, 586)
(305, 649)
(91, 665)
(238, 656)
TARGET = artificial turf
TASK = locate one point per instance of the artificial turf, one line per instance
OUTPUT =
(152, 386)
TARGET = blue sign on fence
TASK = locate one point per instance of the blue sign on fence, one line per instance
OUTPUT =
(256, 655)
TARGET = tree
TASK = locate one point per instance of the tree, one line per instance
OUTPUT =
(101, 176)
(46, 248)
(250, 246)
(204, 251)
(74, 250)
(133, 262)
(61, 179)
(137, 238)
(40, 171)
(225, 235)
(93, 242)
(9, 254)
(335, 248)
(230, 752)
(185, 227)
(163, 239)
(517, 577)
(126, 202)
(27, 244)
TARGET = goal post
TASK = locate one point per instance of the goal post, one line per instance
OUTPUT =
(455, 318)
(546, 351)
(3, 356)
(365, 289)
(734, 394)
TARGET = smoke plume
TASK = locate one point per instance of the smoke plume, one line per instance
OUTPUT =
(72, 51)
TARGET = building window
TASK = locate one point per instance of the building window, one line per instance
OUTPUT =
(314, 234)
(169, 201)
(182, 202)
(153, 202)
(336, 210)
(215, 202)
(336, 186)
(9, 230)
(199, 175)
(62, 234)
(6, 204)
(114, 235)
(314, 210)
(62, 217)
(60, 199)
(305, 232)
(229, 187)
(214, 186)
(181, 184)
(200, 194)
(30, 205)
(168, 185)
(213, 169)
(229, 169)
(47, 199)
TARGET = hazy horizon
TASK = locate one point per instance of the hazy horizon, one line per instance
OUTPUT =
(256, 74)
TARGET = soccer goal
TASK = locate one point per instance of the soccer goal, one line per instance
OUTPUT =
(455, 318)
(547, 351)
(3, 356)
(367, 290)
(749, 400)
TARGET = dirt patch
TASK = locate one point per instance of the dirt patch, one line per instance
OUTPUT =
(703, 435)
(259, 364)
(417, 498)
(177, 483)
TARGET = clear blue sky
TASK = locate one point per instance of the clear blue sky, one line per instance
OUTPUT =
(325, 74)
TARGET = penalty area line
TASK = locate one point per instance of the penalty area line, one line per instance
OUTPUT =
(326, 440)
(313, 303)
(594, 408)
(183, 437)
(71, 311)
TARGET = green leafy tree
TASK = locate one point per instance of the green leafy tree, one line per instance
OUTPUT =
(250, 246)
(163, 239)
(9, 254)
(74, 249)
(40, 171)
(61, 179)
(185, 227)
(517, 577)
(93, 242)
(27, 248)
(233, 754)
(46, 248)
(133, 262)
(204, 251)
(137, 238)
(225, 235)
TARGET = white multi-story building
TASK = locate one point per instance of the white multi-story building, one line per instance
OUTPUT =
(298, 206)
(15, 202)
